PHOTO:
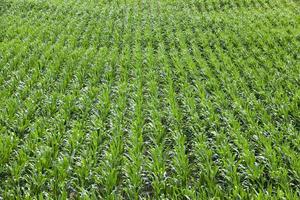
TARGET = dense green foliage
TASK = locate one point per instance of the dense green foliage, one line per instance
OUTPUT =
(186, 99)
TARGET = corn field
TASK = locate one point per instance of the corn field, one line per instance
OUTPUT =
(149, 99)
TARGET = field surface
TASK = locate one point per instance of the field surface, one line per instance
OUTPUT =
(186, 99)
